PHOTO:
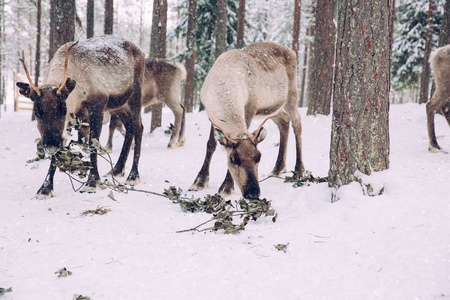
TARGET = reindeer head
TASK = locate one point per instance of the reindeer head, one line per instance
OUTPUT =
(49, 107)
(243, 159)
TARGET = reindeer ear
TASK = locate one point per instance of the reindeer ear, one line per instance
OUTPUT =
(221, 138)
(70, 84)
(24, 89)
(260, 136)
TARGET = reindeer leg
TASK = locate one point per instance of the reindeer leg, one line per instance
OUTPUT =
(46, 190)
(138, 129)
(432, 107)
(119, 167)
(181, 138)
(227, 187)
(282, 122)
(446, 111)
(114, 122)
(95, 122)
(202, 180)
(294, 115)
(178, 112)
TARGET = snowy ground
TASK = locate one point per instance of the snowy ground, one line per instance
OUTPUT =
(394, 246)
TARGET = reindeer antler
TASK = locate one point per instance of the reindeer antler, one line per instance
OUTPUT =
(38, 92)
(63, 84)
(226, 135)
(260, 127)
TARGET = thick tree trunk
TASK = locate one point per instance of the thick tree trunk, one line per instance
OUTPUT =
(296, 26)
(360, 123)
(37, 62)
(444, 35)
(425, 75)
(158, 49)
(221, 28)
(240, 25)
(321, 79)
(109, 16)
(62, 24)
(2, 75)
(191, 56)
(90, 19)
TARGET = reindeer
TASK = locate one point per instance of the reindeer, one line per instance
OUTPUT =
(162, 83)
(259, 80)
(439, 62)
(100, 74)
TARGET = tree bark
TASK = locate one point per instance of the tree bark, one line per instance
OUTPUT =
(296, 26)
(425, 75)
(2, 75)
(191, 56)
(221, 28)
(444, 35)
(37, 62)
(321, 79)
(158, 49)
(241, 25)
(109, 16)
(360, 123)
(62, 24)
(90, 19)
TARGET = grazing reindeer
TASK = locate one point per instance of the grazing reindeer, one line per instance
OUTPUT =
(100, 74)
(162, 83)
(259, 80)
(440, 64)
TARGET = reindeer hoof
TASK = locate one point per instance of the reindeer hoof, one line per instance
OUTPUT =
(44, 193)
(133, 182)
(225, 192)
(181, 142)
(41, 196)
(433, 149)
(199, 184)
(89, 189)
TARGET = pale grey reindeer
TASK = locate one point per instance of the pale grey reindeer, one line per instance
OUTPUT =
(440, 101)
(88, 78)
(259, 80)
(162, 84)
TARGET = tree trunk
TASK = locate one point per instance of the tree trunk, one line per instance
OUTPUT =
(37, 64)
(2, 75)
(296, 27)
(109, 16)
(90, 19)
(62, 24)
(360, 123)
(221, 28)
(444, 35)
(191, 56)
(321, 79)
(425, 75)
(158, 49)
(240, 25)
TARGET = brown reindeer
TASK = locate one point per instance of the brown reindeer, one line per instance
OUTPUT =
(162, 83)
(259, 80)
(440, 63)
(99, 74)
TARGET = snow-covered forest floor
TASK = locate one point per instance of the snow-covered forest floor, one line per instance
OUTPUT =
(394, 246)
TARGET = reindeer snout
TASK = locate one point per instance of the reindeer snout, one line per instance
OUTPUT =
(51, 142)
(252, 195)
(251, 189)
